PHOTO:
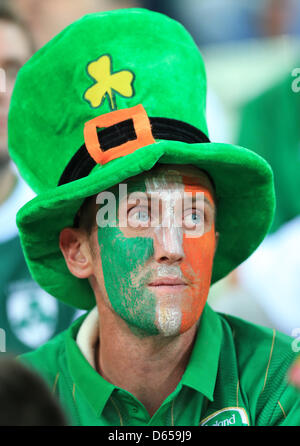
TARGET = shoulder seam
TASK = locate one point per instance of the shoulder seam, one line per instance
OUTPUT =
(270, 357)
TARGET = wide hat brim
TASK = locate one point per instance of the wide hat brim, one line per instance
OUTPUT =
(245, 208)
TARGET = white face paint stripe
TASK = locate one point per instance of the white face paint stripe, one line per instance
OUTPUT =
(168, 233)
(170, 237)
(169, 320)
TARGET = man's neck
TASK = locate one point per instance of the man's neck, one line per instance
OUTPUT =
(7, 183)
(150, 367)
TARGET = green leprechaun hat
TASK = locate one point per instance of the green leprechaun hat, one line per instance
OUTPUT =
(140, 76)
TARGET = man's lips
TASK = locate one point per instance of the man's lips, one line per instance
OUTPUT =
(168, 284)
(167, 281)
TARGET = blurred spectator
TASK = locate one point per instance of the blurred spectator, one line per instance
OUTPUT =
(25, 399)
(270, 127)
(219, 21)
(266, 287)
(28, 315)
(277, 17)
(46, 18)
(270, 277)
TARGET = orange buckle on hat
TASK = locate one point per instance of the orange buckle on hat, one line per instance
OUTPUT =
(141, 126)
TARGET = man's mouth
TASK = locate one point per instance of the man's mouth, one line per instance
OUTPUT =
(168, 285)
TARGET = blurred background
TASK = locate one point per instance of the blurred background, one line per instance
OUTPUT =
(251, 51)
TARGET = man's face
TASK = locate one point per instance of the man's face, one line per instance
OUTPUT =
(14, 51)
(154, 267)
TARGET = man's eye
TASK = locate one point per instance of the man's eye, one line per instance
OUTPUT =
(138, 217)
(142, 216)
(192, 219)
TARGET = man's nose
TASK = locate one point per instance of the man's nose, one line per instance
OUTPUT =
(168, 246)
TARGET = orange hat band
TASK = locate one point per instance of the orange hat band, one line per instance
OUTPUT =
(141, 126)
(121, 133)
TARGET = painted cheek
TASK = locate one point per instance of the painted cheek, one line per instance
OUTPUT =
(197, 267)
(122, 260)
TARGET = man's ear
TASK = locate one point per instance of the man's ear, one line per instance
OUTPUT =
(74, 245)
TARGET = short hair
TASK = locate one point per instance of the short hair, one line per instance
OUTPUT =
(7, 14)
(86, 216)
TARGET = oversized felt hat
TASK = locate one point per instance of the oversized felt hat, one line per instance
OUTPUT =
(106, 99)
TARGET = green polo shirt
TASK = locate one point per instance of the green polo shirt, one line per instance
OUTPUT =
(235, 376)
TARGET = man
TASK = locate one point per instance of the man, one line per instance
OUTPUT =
(135, 222)
(28, 315)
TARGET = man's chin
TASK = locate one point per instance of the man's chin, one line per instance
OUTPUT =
(168, 318)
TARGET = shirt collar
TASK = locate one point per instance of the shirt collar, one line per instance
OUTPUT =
(200, 374)
(88, 335)
(95, 389)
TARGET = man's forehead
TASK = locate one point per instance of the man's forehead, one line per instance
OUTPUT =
(171, 174)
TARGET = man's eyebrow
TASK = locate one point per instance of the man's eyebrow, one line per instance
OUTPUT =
(156, 196)
(205, 199)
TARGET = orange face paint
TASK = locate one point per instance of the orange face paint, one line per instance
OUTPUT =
(197, 265)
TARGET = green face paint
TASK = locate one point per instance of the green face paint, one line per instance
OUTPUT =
(125, 275)
(122, 261)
